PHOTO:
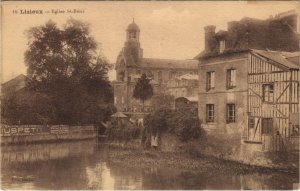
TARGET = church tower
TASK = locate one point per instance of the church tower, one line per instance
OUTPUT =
(132, 44)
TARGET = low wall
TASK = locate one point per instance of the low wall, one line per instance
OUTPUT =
(229, 146)
(16, 134)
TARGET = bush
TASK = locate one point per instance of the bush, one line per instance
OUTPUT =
(182, 122)
(126, 132)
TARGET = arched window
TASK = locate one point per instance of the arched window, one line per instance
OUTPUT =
(159, 76)
(132, 34)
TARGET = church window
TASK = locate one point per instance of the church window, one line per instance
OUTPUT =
(149, 74)
(160, 76)
(132, 34)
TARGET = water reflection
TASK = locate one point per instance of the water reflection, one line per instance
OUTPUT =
(86, 165)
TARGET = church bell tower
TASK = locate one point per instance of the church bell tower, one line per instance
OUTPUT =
(132, 44)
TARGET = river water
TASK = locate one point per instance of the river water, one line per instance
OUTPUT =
(87, 165)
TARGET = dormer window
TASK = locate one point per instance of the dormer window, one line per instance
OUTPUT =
(222, 46)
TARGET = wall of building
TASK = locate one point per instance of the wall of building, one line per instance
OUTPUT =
(123, 91)
(226, 140)
(220, 95)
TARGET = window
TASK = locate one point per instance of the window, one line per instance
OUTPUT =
(268, 92)
(295, 130)
(149, 74)
(231, 78)
(159, 76)
(122, 100)
(230, 113)
(267, 126)
(132, 34)
(222, 46)
(210, 113)
(170, 75)
(251, 122)
(210, 82)
(138, 72)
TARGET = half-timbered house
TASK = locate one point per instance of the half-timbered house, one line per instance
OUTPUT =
(273, 100)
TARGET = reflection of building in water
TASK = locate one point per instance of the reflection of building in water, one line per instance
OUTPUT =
(131, 64)
(125, 177)
(100, 177)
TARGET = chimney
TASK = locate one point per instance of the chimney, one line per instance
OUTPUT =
(210, 40)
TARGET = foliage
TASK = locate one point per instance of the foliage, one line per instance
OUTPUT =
(143, 89)
(27, 108)
(162, 101)
(64, 65)
(182, 122)
(125, 132)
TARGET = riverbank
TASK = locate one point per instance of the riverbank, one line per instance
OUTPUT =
(184, 161)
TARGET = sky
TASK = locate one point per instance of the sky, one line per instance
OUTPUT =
(172, 30)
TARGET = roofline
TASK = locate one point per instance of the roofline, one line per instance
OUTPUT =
(284, 67)
(15, 78)
(226, 53)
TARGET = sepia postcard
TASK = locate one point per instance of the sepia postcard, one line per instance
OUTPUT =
(150, 95)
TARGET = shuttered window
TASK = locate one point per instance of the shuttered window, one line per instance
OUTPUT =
(210, 80)
(231, 78)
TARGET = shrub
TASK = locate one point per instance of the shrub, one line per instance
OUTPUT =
(182, 122)
(126, 132)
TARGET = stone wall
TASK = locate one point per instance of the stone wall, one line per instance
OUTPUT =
(231, 147)
(36, 133)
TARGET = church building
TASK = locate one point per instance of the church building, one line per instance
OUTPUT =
(131, 64)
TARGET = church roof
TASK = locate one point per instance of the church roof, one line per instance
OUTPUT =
(168, 63)
(133, 26)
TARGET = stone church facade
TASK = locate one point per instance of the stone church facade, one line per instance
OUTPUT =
(131, 64)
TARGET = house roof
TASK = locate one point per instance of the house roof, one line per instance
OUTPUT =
(20, 77)
(287, 59)
(168, 63)
(14, 85)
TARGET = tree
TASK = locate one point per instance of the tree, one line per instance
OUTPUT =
(65, 64)
(184, 123)
(143, 89)
(24, 107)
(162, 101)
